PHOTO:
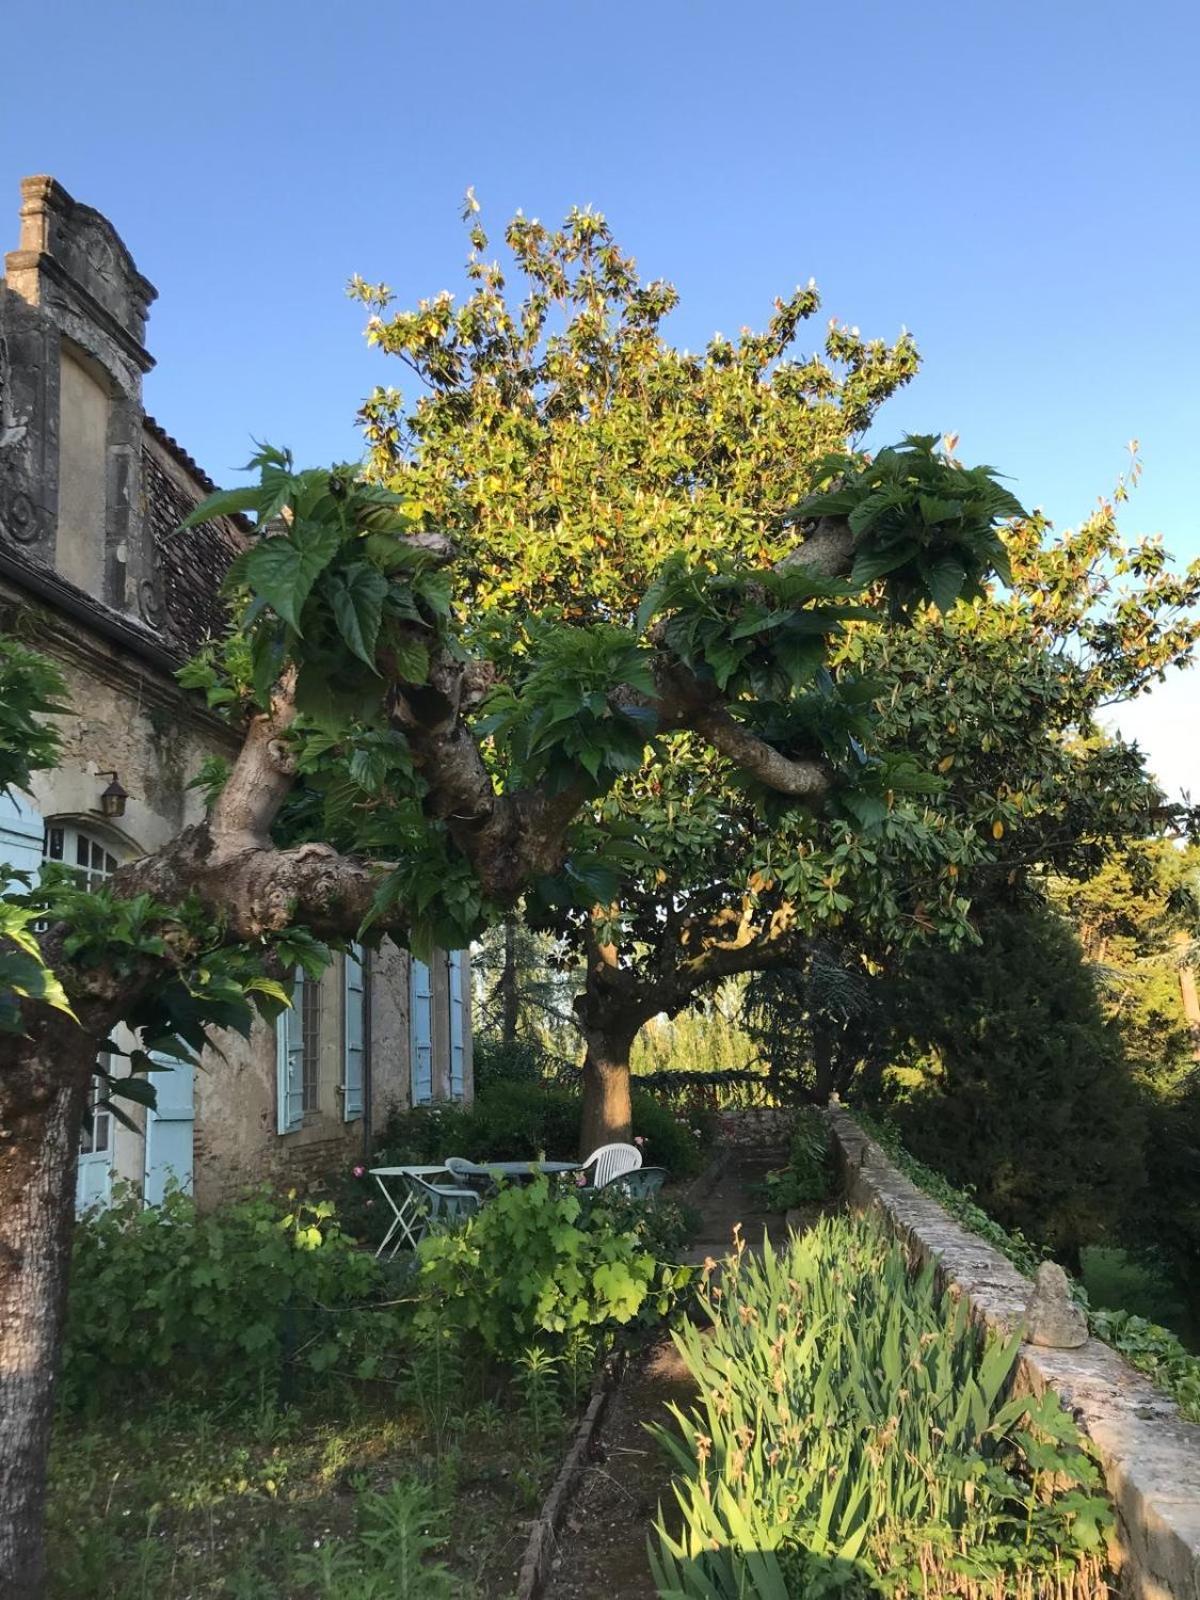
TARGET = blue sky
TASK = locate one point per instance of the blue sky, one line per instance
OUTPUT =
(1018, 184)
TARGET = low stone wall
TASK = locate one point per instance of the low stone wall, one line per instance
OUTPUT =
(1150, 1456)
(755, 1128)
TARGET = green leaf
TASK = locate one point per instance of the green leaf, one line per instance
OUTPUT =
(136, 1089)
(411, 658)
(357, 593)
(284, 567)
(224, 503)
(870, 563)
(946, 579)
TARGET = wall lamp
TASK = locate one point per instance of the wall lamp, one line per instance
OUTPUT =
(112, 799)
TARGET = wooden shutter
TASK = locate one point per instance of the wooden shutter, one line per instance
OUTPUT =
(454, 971)
(169, 1130)
(354, 1000)
(289, 1060)
(420, 998)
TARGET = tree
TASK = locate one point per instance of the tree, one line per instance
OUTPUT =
(588, 458)
(1137, 921)
(416, 816)
(1022, 1092)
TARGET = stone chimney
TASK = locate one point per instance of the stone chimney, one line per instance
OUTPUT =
(73, 310)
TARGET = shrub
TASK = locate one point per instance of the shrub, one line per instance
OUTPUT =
(807, 1176)
(532, 1266)
(1154, 1350)
(506, 1061)
(214, 1303)
(662, 1224)
(852, 1435)
(1024, 1092)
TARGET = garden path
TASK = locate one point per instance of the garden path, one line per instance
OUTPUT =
(602, 1545)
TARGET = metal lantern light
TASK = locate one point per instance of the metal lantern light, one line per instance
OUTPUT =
(112, 799)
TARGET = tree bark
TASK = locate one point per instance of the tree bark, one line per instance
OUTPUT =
(607, 1110)
(41, 1110)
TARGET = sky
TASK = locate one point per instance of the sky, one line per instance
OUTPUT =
(1018, 184)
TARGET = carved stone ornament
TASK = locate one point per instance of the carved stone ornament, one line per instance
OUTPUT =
(20, 518)
(151, 603)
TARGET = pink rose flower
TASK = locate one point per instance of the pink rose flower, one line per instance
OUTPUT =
(359, 1171)
(581, 1180)
(639, 1140)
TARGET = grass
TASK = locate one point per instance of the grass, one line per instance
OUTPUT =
(276, 1504)
(1117, 1280)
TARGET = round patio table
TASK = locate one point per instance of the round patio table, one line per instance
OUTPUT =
(525, 1169)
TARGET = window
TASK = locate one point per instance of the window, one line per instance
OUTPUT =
(83, 851)
(89, 856)
(97, 1140)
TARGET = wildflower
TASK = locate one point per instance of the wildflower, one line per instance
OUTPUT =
(359, 1172)
(639, 1140)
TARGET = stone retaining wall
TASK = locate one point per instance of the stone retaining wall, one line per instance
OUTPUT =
(1150, 1456)
(755, 1128)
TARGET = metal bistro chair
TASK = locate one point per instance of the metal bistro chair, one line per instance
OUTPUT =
(643, 1183)
(610, 1161)
(435, 1205)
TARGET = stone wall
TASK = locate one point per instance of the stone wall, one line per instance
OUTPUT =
(1150, 1456)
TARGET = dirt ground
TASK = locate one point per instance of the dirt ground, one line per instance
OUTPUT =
(602, 1552)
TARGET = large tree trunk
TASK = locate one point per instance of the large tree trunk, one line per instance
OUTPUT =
(41, 1109)
(607, 1114)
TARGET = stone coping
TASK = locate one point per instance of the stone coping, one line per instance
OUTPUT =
(1149, 1455)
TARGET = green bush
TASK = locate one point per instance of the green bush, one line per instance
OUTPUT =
(662, 1224)
(537, 1266)
(496, 1060)
(215, 1303)
(1154, 1350)
(1011, 1242)
(1021, 1088)
(852, 1435)
(807, 1177)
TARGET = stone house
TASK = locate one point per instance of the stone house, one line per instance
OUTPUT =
(93, 573)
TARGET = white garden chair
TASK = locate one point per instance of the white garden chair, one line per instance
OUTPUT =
(610, 1161)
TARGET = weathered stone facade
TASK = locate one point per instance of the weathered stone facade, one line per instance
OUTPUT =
(93, 572)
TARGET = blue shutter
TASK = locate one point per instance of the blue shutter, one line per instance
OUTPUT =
(354, 998)
(169, 1130)
(454, 969)
(420, 1003)
(289, 1061)
(21, 835)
